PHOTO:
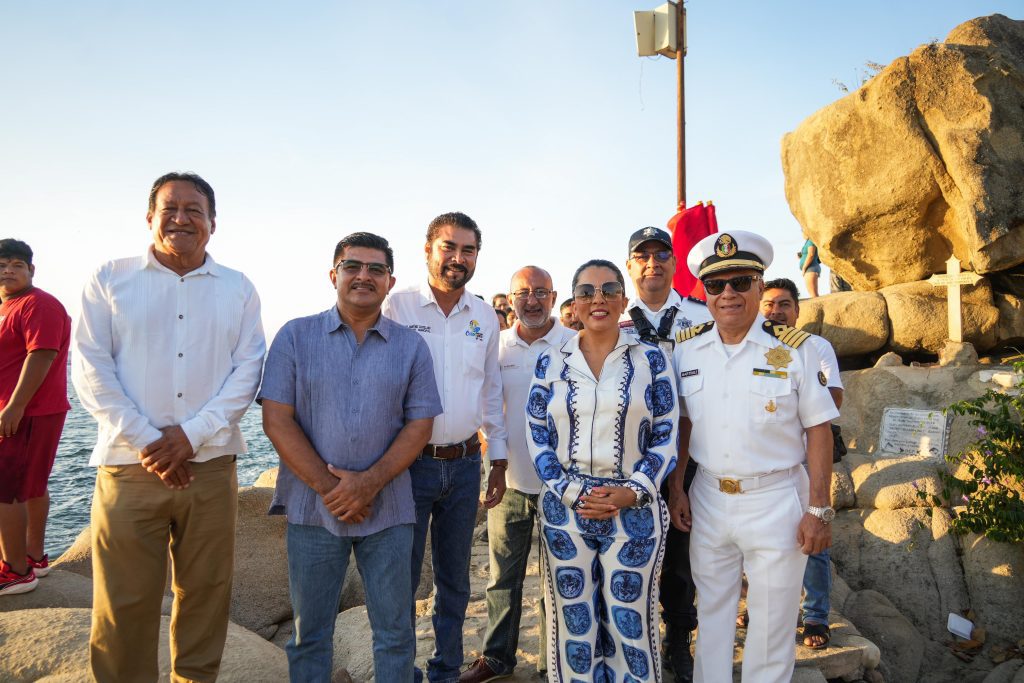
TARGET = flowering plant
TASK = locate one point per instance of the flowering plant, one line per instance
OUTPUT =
(987, 486)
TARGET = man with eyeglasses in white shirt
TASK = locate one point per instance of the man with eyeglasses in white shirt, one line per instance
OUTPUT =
(510, 523)
(461, 332)
(658, 313)
(168, 351)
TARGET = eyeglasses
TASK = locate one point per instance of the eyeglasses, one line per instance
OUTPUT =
(740, 283)
(540, 294)
(611, 291)
(353, 267)
(659, 256)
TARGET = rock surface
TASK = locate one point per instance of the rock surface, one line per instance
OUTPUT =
(930, 150)
(917, 314)
(854, 323)
(259, 590)
(56, 589)
(993, 572)
(61, 650)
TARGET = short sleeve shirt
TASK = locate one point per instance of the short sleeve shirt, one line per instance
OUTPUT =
(829, 362)
(351, 400)
(749, 409)
(35, 321)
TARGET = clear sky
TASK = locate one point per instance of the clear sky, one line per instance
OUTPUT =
(316, 119)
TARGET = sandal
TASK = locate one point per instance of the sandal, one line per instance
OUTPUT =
(816, 631)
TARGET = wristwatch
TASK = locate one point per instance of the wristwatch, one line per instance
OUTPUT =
(826, 514)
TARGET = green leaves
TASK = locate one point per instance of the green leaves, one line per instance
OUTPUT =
(987, 487)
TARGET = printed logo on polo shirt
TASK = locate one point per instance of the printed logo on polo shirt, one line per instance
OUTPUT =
(425, 329)
(473, 330)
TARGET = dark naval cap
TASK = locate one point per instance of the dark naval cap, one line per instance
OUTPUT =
(734, 250)
(649, 234)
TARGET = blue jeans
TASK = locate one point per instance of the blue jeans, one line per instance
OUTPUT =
(317, 561)
(446, 493)
(510, 536)
(817, 586)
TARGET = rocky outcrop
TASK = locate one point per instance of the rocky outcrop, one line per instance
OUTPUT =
(259, 589)
(917, 313)
(923, 161)
(855, 323)
(60, 651)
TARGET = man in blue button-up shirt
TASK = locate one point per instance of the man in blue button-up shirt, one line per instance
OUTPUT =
(349, 400)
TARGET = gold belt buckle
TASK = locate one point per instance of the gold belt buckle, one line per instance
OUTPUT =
(729, 486)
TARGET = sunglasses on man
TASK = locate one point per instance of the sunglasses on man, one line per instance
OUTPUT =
(644, 256)
(352, 267)
(611, 291)
(740, 283)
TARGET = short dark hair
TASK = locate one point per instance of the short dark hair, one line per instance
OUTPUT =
(784, 283)
(455, 219)
(565, 304)
(201, 185)
(12, 248)
(501, 294)
(369, 241)
(598, 263)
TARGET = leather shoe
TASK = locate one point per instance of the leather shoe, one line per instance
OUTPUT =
(676, 655)
(480, 672)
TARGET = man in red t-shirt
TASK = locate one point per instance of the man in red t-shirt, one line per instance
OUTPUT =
(35, 332)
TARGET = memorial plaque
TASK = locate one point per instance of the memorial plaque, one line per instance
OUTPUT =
(910, 431)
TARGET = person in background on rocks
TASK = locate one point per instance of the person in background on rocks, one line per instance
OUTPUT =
(349, 399)
(780, 303)
(510, 523)
(35, 332)
(462, 335)
(751, 390)
(810, 267)
(656, 316)
(603, 424)
(567, 316)
(168, 351)
(510, 318)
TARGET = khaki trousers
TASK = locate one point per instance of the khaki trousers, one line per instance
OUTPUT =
(135, 518)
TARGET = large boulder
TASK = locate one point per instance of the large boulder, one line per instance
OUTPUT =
(78, 558)
(854, 323)
(892, 483)
(870, 391)
(902, 646)
(1011, 319)
(908, 556)
(60, 651)
(930, 150)
(917, 314)
(995, 579)
(259, 589)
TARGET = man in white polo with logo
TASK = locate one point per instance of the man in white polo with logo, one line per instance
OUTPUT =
(750, 390)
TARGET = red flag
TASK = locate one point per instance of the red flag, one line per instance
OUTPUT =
(711, 228)
(688, 227)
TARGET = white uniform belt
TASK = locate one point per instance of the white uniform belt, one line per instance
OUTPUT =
(732, 485)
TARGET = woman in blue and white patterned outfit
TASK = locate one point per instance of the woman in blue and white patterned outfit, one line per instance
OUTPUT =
(602, 415)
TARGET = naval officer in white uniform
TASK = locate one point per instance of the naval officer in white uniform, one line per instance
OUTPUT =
(750, 391)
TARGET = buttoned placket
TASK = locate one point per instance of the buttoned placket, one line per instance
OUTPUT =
(180, 338)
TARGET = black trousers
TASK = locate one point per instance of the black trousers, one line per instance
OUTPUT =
(678, 593)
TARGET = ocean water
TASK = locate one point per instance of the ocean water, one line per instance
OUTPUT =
(72, 479)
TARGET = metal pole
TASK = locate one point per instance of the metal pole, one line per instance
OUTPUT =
(681, 111)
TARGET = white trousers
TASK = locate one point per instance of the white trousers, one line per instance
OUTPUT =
(754, 531)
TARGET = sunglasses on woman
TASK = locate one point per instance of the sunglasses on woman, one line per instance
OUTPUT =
(740, 283)
(611, 291)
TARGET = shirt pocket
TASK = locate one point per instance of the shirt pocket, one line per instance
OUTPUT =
(772, 400)
(691, 390)
(474, 355)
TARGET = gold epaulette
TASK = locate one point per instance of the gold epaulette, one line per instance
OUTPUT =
(691, 332)
(790, 336)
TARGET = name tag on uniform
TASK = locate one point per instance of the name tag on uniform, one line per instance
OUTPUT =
(688, 373)
(764, 372)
